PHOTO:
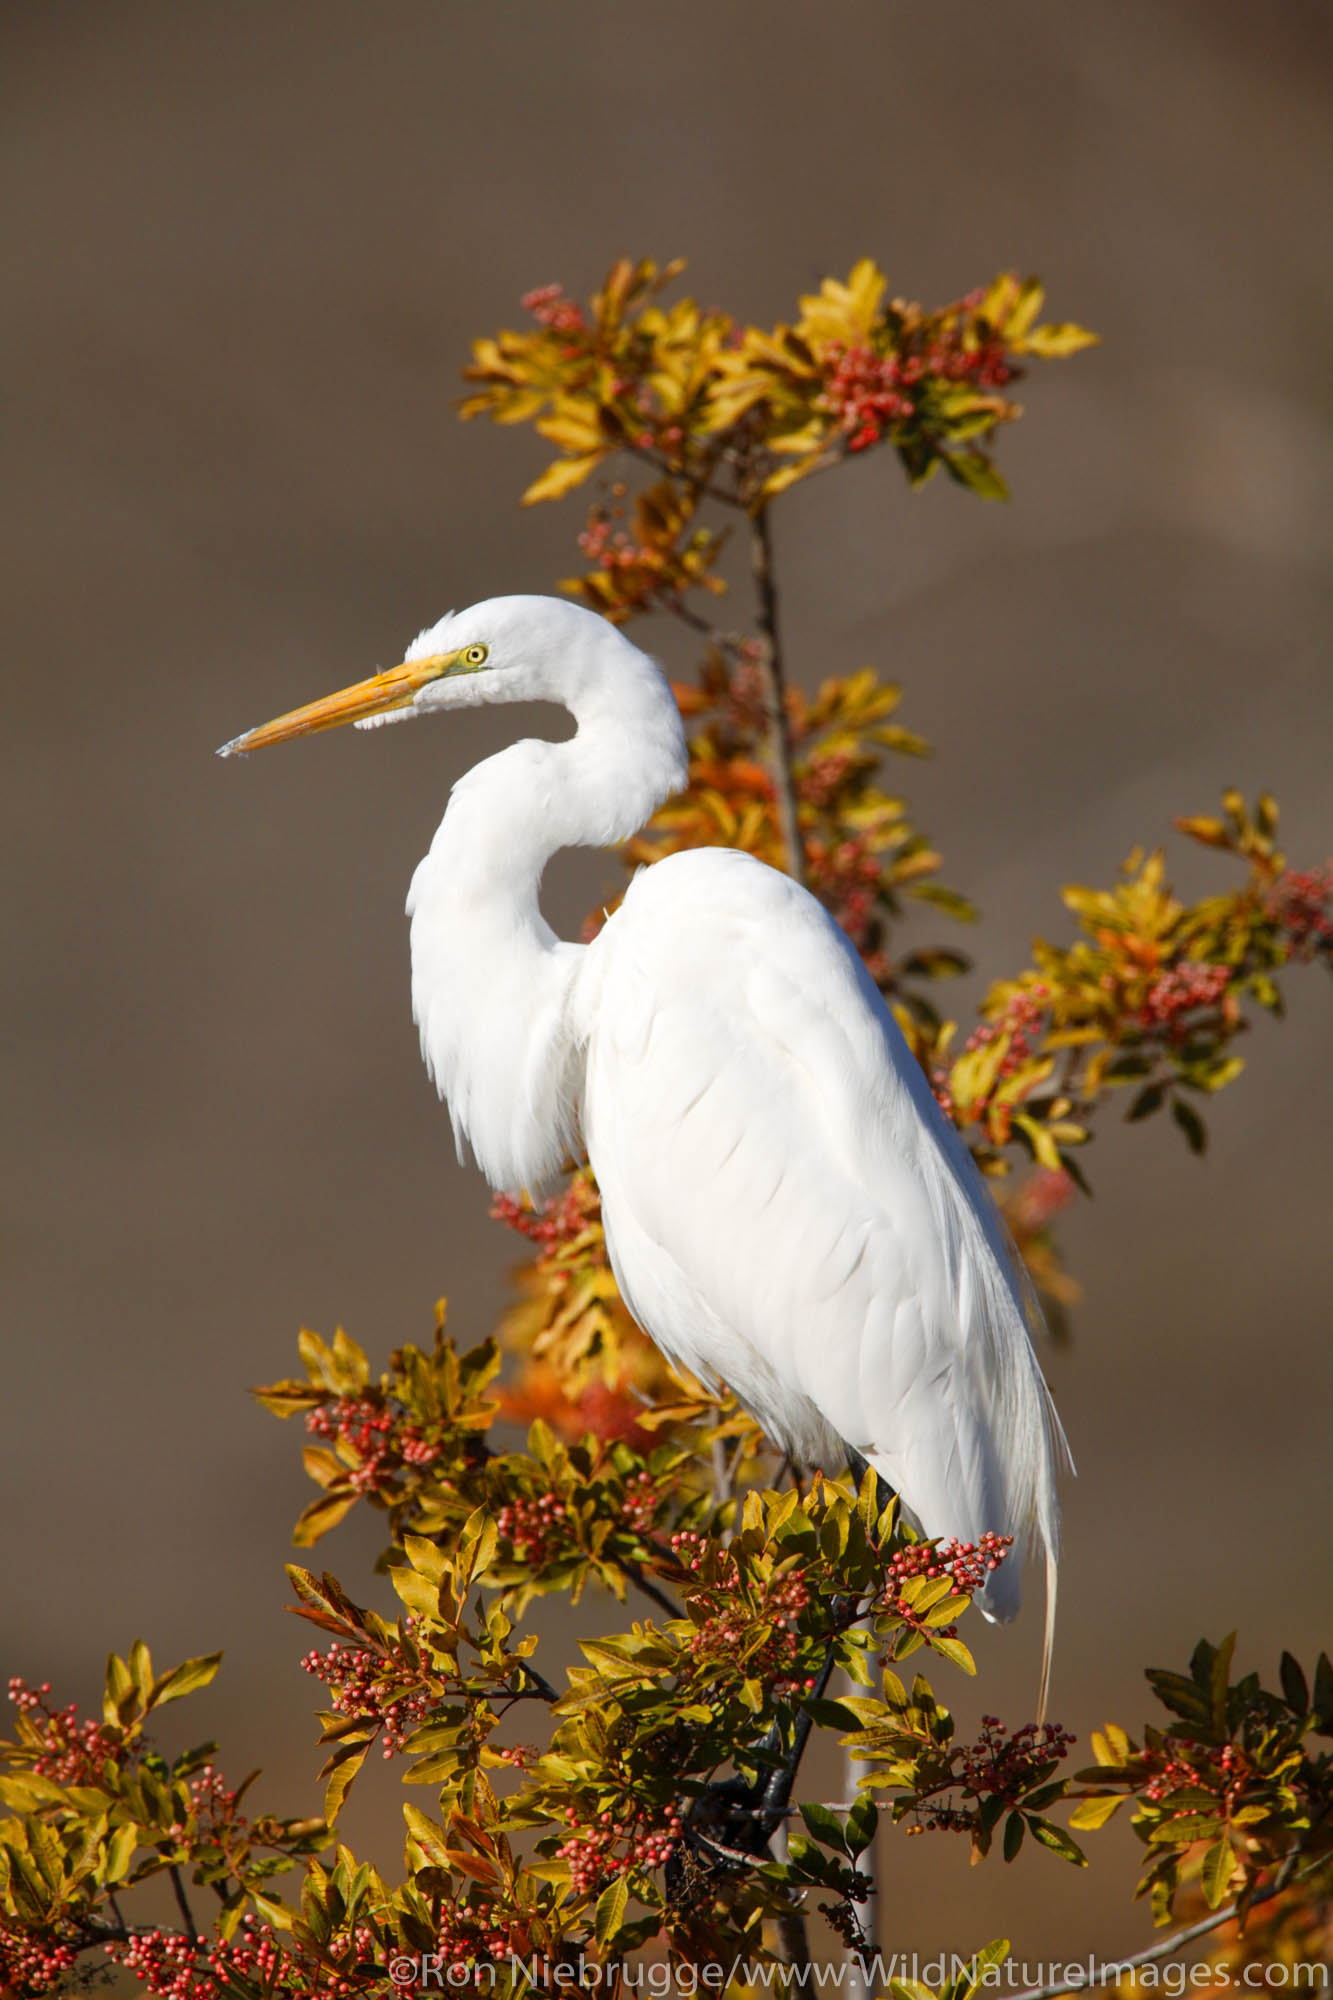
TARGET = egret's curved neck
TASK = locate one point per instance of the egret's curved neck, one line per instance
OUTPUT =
(490, 979)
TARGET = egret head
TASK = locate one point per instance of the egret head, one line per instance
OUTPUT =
(505, 649)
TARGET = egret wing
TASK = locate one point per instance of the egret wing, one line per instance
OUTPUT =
(788, 1208)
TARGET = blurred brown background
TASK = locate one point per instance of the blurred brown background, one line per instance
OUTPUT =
(246, 249)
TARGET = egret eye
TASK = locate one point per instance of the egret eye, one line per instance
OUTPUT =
(474, 656)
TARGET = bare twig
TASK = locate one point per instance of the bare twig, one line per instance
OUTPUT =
(540, 1685)
(647, 1586)
(178, 1890)
(1115, 1968)
(775, 704)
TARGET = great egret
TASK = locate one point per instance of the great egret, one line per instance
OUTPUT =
(786, 1206)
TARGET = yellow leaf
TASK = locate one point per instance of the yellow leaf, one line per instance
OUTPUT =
(1089, 1814)
(562, 476)
(1053, 342)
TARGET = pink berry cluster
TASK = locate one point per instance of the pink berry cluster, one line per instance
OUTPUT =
(551, 307)
(1007, 1763)
(613, 1845)
(32, 1966)
(1181, 991)
(381, 1442)
(374, 1688)
(1301, 904)
(72, 1752)
(533, 1527)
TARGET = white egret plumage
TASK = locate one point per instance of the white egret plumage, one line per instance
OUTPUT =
(786, 1206)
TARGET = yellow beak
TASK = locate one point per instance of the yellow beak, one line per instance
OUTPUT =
(394, 689)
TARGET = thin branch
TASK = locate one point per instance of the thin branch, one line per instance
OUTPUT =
(647, 1586)
(540, 1684)
(697, 483)
(1115, 1968)
(775, 703)
(178, 1890)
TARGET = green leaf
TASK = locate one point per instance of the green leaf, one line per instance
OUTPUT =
(1053, 1836)
(1219, 1865)
(975, 471)
(955, 1651)
(1089, 1814)
(184, 1679)
(610, 1912)
(1014, 1830)
(1294, 1686)
(862, 1824)
(825, 1826)
(120, 1849)
(830, 1714)
(1190, 1124)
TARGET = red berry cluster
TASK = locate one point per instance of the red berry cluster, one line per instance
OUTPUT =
(381, 1442)
(366, 1428)
(551, 307)
(1007, 1764)
(869, 392)
(557, 1222)
(965, 1564)
(532, 1527)
(694, 1550)
(1301, 904)
(373, 1687)
(721, 1636)
(608, 546)
(1023, 1020)
(1180, 991)
(825, 774)
(1226, 1772)
(211, 1798)
(728, 1618)
(747, 693)
(178, 1968)
(845, 875)
(613, 1845)
(464, 1934)
(30, 1966)
(72, 1752)
(1045, 1192)
(638, 1509)
(864, 391)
